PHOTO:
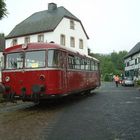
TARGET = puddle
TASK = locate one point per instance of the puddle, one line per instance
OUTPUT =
(128, 102)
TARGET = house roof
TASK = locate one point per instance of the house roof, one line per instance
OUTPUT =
(43, 21)
(133, 51)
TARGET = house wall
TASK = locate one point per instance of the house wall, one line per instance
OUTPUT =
(134, 68)
(62, 28)
(77, 33)
(1, 63)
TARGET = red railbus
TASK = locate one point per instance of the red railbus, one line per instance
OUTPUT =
(39, 71)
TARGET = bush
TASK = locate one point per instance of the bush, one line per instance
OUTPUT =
(107, 77)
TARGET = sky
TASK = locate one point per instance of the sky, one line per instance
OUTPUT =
(112, 25)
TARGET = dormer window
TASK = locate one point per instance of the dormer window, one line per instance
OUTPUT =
(41, 38)
(72, 25)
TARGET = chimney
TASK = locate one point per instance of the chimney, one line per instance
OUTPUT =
(52, 7)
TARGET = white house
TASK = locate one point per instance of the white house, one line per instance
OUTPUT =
(2, 46)
(56, 24)
(132, 62)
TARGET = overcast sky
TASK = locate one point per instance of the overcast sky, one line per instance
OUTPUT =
(112, 25)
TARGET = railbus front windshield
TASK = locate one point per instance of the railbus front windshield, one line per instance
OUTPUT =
(35, 59)
(14, 61)
(32, 59)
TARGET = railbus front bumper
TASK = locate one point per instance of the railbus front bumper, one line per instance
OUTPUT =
(38, 93)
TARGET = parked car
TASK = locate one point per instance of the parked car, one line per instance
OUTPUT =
(128, 81)
(120, 81)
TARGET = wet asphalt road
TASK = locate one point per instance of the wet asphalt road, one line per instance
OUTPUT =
(110, 113)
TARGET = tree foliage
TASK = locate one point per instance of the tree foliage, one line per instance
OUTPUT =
(1, 34)
(111, 64)
(3, 10)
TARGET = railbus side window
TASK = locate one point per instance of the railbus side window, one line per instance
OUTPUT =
(53, 58)
(71, 62)
(87, 64)
(96, 66)
(92, 65)
(77, 63)
(14, 61)
(82, 64)
(62, 59)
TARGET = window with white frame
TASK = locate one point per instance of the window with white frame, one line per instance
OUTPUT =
(14, 41)
(72, 42)
(127, 64)
(27, 39)
(72, 25)
(62, 40)
(81, 46)
(136, 61)
(41, 38)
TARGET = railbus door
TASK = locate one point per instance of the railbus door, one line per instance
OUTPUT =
(63, 63)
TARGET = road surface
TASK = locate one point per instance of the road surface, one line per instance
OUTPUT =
(109, 113)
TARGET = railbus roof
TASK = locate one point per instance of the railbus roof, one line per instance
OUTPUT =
(39, 46)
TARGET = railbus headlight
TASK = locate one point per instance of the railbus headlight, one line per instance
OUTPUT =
(42, 77)
(7, 79)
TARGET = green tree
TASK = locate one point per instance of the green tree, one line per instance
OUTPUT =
(121, 60)
(1, 35)
(114, 59)
(110, 64)
(3, 10)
